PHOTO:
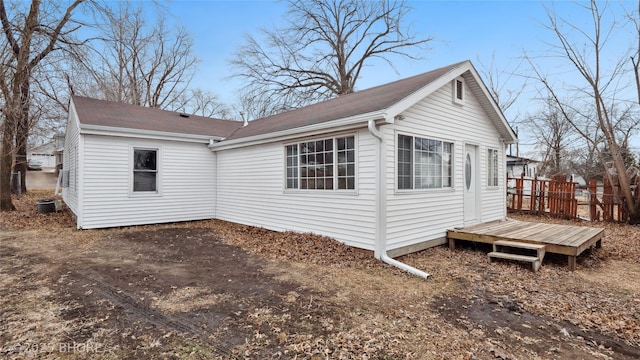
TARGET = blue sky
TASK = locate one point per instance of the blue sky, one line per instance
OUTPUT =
(474, 30)
(461, 30)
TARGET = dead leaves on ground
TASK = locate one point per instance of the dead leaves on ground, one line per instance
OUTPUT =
(26, 216)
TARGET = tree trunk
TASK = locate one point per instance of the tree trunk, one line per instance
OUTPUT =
(6, 164)
(22, 133)
(629, 202)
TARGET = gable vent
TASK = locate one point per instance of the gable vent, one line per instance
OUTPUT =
(458, 91)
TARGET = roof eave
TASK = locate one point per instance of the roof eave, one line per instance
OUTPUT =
(309, 130)
(492, 108)
(90, 129)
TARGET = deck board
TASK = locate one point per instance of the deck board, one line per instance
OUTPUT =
(570, 240)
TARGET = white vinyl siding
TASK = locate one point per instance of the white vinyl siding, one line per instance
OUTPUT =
(418, 216)
(70, 162)
(187, 178)
(246, 198)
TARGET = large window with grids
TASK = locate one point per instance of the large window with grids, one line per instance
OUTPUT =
(492, 167)
(424, 163)
(326, 164)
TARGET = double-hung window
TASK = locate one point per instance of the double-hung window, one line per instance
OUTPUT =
(492, 167)
(145, 170)
(325, 164)
(424, 163)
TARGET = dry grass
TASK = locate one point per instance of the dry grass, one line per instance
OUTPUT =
(188, 299)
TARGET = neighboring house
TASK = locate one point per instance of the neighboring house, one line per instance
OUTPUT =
(389, 168)
(44, 154)
(517, 166)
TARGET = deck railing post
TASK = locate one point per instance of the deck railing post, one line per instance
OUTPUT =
(593, 200)
(520, 190)
(534, 193)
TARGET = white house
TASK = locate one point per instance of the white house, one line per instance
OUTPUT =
(517, 166)
(45, 154)
(387, 169)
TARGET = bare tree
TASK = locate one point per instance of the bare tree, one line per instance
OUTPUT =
(504, 87)
(322, 51)
(203, 103)
(500, 83)
(634, 19)
(31, 35)
(554, 135)
(135, 63)
(598, 80)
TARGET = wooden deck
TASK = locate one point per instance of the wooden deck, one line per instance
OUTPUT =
(567, 240)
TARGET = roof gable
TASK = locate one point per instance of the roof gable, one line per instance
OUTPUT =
(385, 101)
(108, 114)
(361, 102)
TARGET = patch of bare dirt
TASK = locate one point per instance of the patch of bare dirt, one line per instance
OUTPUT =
(216, 290)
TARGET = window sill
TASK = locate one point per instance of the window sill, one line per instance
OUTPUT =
(145, 194)
(319, 191)
(423, 191)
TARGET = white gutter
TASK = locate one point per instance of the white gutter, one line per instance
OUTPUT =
(90, 129)
(292, 133)
(380, 251)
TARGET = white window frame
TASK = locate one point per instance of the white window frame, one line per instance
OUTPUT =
(451, 165)
(458, 97)
(297, 168)
(493, 166)
(158, 191)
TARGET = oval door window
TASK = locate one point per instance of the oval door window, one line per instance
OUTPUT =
(467, 171)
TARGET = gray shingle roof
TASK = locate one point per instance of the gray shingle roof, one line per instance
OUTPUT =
(360, 102)
(372, 100)
(119, 115)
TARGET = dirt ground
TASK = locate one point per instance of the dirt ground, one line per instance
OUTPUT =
(216, 290)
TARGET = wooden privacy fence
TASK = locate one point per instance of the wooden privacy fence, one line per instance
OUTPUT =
(604, 204)
(555, 197)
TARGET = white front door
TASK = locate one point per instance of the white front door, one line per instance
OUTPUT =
(471, 184)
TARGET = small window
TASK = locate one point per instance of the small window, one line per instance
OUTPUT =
(145, 170)
(424, 163)
(325, 164)
(492, 167)
(64, 181)
(292, 167)
(458, 91)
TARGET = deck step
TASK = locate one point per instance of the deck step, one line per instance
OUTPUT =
(519, 244)
(508, 256)
(503, 249)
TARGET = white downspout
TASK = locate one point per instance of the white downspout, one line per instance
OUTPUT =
(380, 251)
